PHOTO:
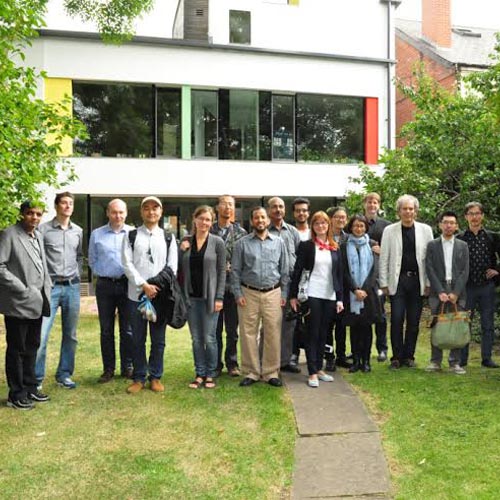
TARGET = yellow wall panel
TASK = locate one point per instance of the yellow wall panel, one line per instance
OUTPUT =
(293, 2)
(55, 91)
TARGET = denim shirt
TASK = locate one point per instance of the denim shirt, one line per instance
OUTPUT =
(260, 263)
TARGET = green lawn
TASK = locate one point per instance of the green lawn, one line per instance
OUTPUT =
(99, 442)
(441, 431)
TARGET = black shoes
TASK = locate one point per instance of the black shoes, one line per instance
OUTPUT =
(275, 382)
(488, 363)
(343, 362)
(330, 365)
(394, 365)
(382, 356)
(290, 368)
(38, 397)
(247, 381)
(128, 373)
(106, 376)
(20, 404)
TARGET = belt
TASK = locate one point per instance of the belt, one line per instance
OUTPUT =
(114, 280)
(262, 290)
(410, 273)
(74, 281)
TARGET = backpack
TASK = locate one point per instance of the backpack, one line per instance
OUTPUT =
(132, 235)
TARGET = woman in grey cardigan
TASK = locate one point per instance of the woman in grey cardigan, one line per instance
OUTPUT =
(204, 272)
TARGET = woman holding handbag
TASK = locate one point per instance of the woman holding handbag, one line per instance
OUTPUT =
(321, 257)
(204, 278)
(360, 266)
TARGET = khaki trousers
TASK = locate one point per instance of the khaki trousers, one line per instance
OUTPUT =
(259, 307)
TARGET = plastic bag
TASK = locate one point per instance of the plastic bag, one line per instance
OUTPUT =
(147, 309)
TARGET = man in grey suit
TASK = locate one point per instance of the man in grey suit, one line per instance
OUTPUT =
(447, 266)
(24, 298)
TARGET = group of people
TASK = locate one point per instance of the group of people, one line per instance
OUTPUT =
(251, 286)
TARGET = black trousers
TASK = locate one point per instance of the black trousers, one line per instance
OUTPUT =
(111, 296)
(361, 341)
(337, 323)
(23, 340)
(228, 318)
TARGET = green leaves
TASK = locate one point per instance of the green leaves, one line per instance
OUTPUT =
(452, 151)
(28, 163)
(114, 18)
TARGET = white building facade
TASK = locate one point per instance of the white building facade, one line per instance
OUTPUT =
(249, 97)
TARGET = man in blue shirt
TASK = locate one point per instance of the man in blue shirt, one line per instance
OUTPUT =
(260, 285)
(111, 289)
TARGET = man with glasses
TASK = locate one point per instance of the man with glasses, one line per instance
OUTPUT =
(230, 231)
(144, 259)
(24, 298)
(483, 271)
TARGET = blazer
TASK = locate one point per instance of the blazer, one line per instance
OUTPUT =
(391, 253)
(214, 271)
(20, 295)
(306, 255)
(436, 272)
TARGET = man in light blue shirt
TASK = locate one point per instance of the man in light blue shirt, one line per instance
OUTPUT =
(105, 248)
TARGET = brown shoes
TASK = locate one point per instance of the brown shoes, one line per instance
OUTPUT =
(156, 385)
(135, 387)
(106, 377)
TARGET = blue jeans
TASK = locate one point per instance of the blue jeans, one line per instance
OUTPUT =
(112, 296)
(482, 298)
(67, 297)
(406, 303)
(139, 334)
(202, 325)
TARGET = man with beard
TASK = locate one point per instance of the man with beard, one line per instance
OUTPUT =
(260, 276)
(24, 298)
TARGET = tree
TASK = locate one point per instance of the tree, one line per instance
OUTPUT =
(451, 156)
(31, 130)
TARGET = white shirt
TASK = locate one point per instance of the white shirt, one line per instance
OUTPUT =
(148, 258)
(304, 235)
(448, 256)
(321, 279)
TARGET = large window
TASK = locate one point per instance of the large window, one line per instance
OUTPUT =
(168, 122)
(245, 125)
(283, 127)
(240, 27)
(118, 117)
(204, 124)
(330, 128)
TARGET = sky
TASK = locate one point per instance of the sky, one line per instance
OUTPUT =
(473, 13)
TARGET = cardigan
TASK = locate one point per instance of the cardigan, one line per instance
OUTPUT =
(214, 271)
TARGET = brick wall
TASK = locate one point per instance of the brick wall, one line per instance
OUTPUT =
(407, 56)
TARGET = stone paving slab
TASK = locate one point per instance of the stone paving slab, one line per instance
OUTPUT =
(331, 408)
(342, 465)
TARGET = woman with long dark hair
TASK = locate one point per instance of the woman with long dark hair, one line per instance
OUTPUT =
(204, 278)
(321, 256)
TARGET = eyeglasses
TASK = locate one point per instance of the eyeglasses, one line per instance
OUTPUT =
(474, 214)
(303, 210)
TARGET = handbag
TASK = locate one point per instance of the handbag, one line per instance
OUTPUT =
(451, 330)
(302, 294)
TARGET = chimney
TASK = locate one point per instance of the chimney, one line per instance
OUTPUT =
(436, 22)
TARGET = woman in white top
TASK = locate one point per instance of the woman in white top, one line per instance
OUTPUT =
(321, 256)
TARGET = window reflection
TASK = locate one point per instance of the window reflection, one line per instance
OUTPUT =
(204, 123)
